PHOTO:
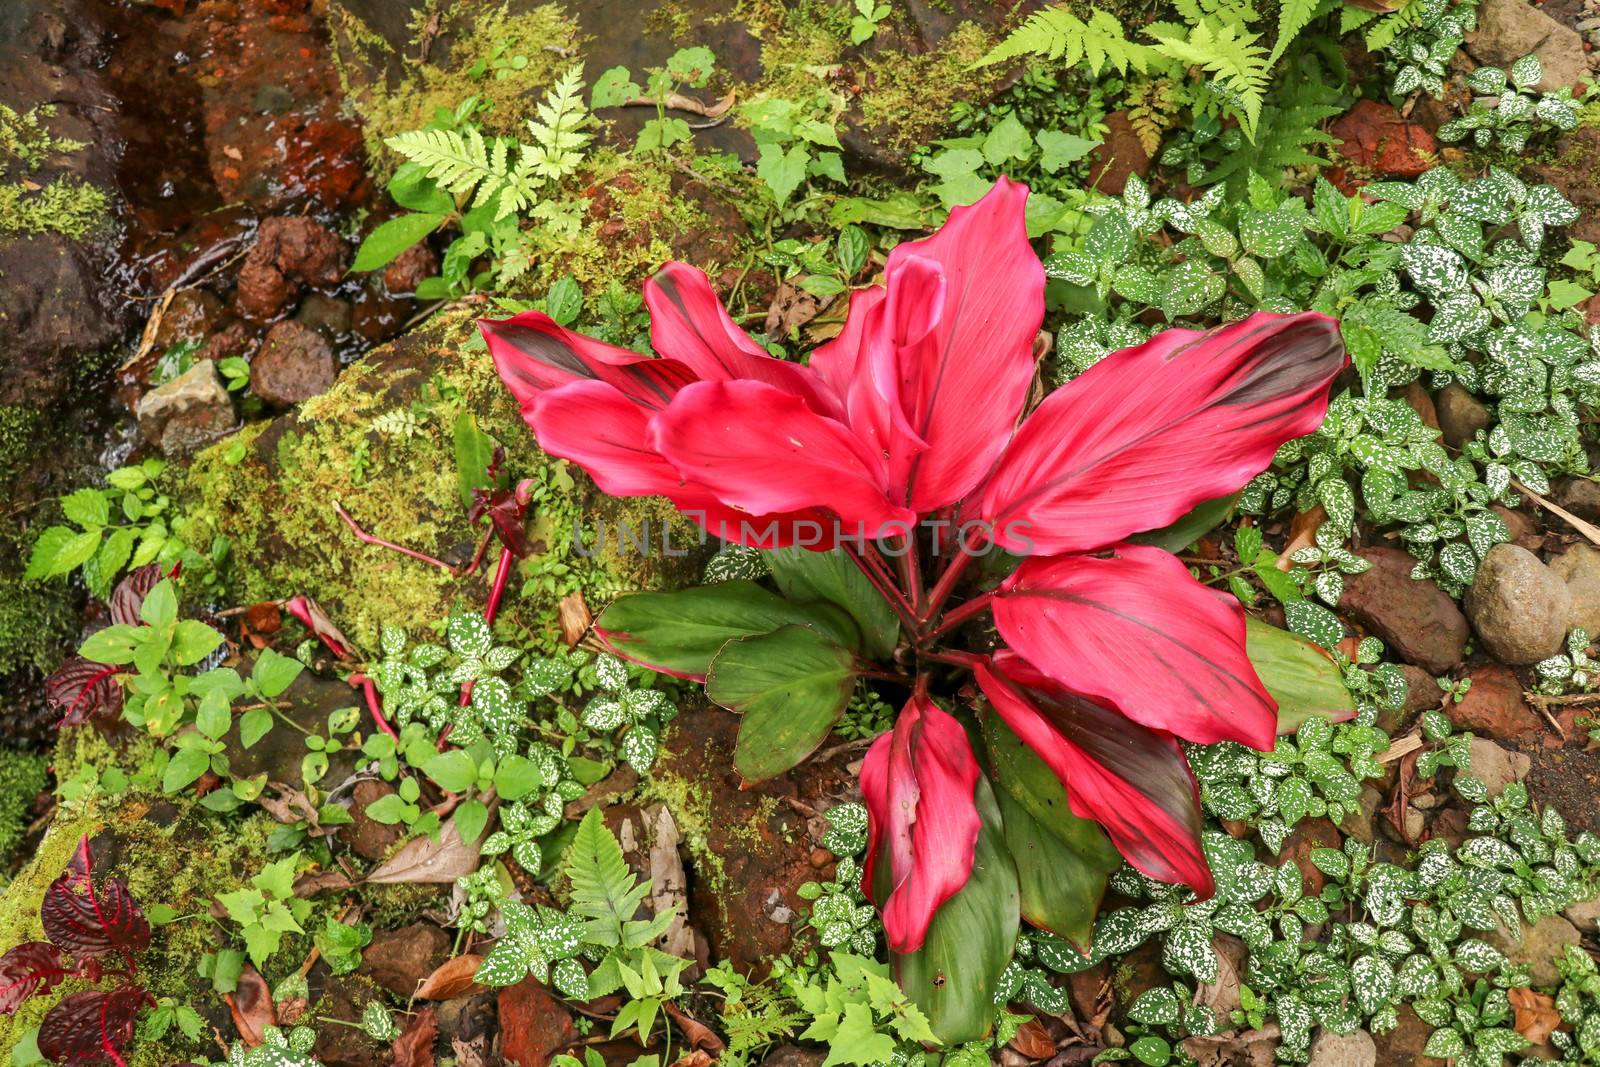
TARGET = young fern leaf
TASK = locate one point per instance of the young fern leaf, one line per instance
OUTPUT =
(1289, 124)
(605, 891)
(1057, 33)
(1230, 54)
(558, 137)
(462, 162)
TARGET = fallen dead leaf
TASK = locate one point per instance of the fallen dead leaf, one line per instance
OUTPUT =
(424, 860)
(251, 1006)
(314, 882)
(451, 979)
(1536, 1015)
(700, 1036)
(414, 1047)
(467, 1053)
(1302, 532)
(1033, 1041)
(697, 1058)
(791, 309)
(575, 618)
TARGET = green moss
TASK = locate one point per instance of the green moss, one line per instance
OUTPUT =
(66, 206)
(22, 776)
(690, 805)
(275, 504)
(908, 98)
(479, 32)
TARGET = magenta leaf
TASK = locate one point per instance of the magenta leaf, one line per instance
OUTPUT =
(918, 782)
(32, 967)
(1135, 629)
(1133, 781)
(533, 354)
(83, 692)
(91, 1027)
(1149, 432)
(93, 921)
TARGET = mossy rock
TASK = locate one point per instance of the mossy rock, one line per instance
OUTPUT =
(381, 443)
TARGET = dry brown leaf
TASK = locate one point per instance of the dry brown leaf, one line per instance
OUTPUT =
(251, 1006)
(467, 1053)
(451, 979)
(697, 1058)
(1302, 533)
(1536, 1015)
(314, 882)
(700, 1036)
(791, 309)
(1033, 1041)
(424, 860)
(575, 618)
(414, 1047)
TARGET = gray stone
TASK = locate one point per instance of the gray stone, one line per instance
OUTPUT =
(1511, 29)
(190, 411)
(1461, 415)
(1496, 767)
(1585, 612)
(1517, 606)
(1539, 946)
(1355, 1049)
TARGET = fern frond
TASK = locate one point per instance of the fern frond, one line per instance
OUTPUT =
(1293, 16)
(461, 161)
(761, 1018)
(558, 137)
(604, 890)
(1290, 124)
(1058, 34)
(1230, 54)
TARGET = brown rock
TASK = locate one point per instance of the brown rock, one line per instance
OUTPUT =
(1581, 497)
(1416, 619)
(1578, 561)
(190, 317)
(1511, 29)
(1119, 155)
(368, 838)
(1377, 138)
(1496, 767)
(1461, 415)
(1355, 1049)
(1523, 530)
(533, 1024)
(295, 364)
(1517, 606)
(188, 412)
(400, 959)
(1585, 612)
(1493, 706)
(401, 277)
(289, 254)
(330, 315)
(1539, 946)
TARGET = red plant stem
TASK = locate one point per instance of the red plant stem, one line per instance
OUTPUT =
(369, 539)
(502, 573)
(911, 572)
(958, 615)
(947, 581)
(954, 658)
(885, 589)
(374, 705)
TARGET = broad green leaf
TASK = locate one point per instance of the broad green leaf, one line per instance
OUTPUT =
(1062, 861)
(953, 976)
(783, 171)
(1299, 675)
(831, 577)
(274, 672)
(87, 507)
(59, 550)
(114, 645)
(474, 453)
(1188, 529)
(791, 685)
(193, 641)
(385, 243)
(453, 771)
(680, 632)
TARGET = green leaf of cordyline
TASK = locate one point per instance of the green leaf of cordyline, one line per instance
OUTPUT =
(1300, 676)
(792, 685)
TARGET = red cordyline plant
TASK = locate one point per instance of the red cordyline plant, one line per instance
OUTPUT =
(898, 449)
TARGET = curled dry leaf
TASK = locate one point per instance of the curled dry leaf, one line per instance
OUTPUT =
(451, 979)
(575, 618)
(414, 1046)
(1536, 1016)
(1033, 1041)
(424, 860)
(700, 1036)
(251, 1006)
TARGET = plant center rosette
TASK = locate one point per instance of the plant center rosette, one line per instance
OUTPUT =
(924, 530)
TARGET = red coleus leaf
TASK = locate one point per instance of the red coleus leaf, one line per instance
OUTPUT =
(92, 921)
(129, 594)
(918, 783)
(1135, 629)
(91, 1027)
(1132, 780)
(533, 354)
(1147, 433)
(83, 692)
(32, 967)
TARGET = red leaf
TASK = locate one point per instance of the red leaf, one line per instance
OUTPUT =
(1134, 628)
(1147, 433)
(313, 618)
(84, 692)
(918, 783)
(533, 354)
(1133, 781)
(32, 967)
(91, 1027)
(128, 596)
(92, 921)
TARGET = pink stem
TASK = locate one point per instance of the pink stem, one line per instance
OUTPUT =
(374, 705)
(947, 581)
(502, 573)
(956, 616)
(369, 539)
(885, 588)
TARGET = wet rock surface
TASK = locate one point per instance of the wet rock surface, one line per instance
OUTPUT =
(1416, 619)
(189, 412)
(289, 254)
(1494, 705)
(1518, 607)
(1376, 138)
(295, 363)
